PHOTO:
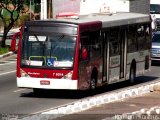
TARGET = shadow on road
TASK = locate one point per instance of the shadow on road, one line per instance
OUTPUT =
(155, 63)
(72, 94)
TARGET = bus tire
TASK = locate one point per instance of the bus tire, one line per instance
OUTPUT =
(146, 63)
(93, 82)
(132, 75)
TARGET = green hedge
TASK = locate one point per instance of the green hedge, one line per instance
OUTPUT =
(4, 50)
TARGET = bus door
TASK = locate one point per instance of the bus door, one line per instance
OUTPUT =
(123, 52)
(114, 54)
(105, 55)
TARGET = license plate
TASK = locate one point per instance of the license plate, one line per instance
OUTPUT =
(45, 82)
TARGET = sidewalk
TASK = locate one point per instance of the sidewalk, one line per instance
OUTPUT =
(145, 107)
(8, 56)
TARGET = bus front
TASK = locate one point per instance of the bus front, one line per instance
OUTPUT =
(47, 56)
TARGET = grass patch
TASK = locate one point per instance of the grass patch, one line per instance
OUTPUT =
(4, 50)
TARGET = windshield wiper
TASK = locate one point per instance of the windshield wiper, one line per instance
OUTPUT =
(36, 37)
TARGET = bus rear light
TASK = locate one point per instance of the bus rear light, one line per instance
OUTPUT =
(68, 76)
(45, 82)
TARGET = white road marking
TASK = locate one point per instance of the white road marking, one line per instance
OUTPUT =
(44, 110)
(7, 63)
(19, 90)
(8, 72)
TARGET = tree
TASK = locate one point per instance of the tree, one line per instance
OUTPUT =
(14, 8)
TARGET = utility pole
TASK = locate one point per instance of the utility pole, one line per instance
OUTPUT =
(30, 2)
(49, 9)
(43, 9)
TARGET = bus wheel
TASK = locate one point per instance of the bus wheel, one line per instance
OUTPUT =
(132, 75)
(93, 83)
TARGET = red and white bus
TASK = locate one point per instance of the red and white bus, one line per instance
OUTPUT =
(84, 52)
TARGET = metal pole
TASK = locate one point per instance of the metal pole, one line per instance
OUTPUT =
(30, 8)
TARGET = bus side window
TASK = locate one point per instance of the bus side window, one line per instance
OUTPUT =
(114, 43)
(95, 43)
(132, 42)
(92, 43)
(84, 45)
(144, 37)
(141, 37)
(147, 36)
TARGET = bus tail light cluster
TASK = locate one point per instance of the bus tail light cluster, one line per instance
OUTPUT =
(68, 75)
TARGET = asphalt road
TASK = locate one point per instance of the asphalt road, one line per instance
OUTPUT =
(14, 100)
(22, 101)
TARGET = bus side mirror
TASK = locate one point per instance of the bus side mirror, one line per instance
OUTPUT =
(84, 53)
(13, 42)
(13, 45)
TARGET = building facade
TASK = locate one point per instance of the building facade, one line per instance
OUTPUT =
(61, 7)
(140, 6)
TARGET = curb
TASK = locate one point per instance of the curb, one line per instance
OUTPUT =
(6, 55)
(90, 102)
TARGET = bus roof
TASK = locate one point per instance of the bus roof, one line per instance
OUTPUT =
(108, 20)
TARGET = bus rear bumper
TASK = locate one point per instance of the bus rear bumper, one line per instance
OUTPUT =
(25, 82)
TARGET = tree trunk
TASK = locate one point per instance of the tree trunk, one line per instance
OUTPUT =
(3, 42)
